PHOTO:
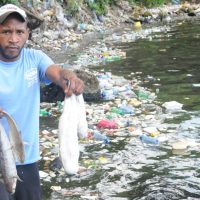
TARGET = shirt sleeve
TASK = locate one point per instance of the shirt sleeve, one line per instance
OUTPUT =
(44, 62)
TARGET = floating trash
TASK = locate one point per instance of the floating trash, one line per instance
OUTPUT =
(137, 24)
(196, 85)
(173, 106)
(148, 139)
(100, 137)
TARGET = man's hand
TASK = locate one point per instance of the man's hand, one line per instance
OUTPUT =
(66, 79)
(71, 83)
(1, 112)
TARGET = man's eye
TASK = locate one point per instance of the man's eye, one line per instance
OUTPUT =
(6, 32)
(20, 32)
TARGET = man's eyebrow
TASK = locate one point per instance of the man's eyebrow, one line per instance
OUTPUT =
(8, 28)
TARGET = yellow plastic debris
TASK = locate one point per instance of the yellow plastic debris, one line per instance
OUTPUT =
(103, 160)
(137, 24)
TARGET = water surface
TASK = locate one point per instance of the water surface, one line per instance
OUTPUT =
(169, 63)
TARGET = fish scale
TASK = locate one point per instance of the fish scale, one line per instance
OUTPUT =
(7, 162)
(11, 150)
(15, 138)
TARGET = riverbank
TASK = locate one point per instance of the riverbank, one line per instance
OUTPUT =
(61, 37)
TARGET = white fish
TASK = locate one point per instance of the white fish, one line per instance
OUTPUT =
(7, 162)
(68, 137)
(15, 138)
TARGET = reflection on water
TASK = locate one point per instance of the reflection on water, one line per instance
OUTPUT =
(168, 62)
(172, 59)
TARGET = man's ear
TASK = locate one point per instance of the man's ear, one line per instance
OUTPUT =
(29, 34)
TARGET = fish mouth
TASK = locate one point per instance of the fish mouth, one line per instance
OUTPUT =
(11, 187)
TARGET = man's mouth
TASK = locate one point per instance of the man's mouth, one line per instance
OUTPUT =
(12, 47)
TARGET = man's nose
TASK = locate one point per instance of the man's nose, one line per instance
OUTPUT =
(14, 37)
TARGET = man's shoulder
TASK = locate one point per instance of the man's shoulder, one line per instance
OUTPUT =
(32, 51)
(35, 55)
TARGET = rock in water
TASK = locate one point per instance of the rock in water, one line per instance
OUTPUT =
(92, 90)
(53, 93)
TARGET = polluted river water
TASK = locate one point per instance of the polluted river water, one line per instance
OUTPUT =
(167, 63)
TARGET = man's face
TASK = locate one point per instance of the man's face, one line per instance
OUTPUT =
(13, 35)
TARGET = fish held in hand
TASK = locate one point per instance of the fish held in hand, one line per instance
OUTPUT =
(7, 162)
(15, 138)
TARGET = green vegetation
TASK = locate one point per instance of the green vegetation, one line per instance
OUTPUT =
(3, 2)
(100, 6)
(73, 6)
(148, 3)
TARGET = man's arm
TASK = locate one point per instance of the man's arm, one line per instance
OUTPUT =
(61, 77)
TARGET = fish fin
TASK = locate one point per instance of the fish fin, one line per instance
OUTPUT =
(19, 179)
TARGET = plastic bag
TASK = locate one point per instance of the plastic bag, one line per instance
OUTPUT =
(82, 126)
(68, 137)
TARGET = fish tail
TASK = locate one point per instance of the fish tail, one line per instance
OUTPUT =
(19, 179)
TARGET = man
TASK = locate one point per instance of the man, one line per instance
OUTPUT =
(21, 71)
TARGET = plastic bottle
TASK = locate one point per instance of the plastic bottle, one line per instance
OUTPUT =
(103, 76)
(142, 95)
(176, 2)
(117, 110)
(111, 116)
(112, 58)
(46, 4)
(127, 109)
(29, 3)
(82, 26)
(128, 123)
(59, 105)
(124, 123)
(98, 136)
(148, 139)
(108, 95)
(44, 112)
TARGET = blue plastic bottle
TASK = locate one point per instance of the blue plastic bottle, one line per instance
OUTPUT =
(108, 95)
(176, 2)
(148, 139)
(127, 109)
(101, 137)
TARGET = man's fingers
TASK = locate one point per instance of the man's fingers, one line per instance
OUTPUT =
(68, 92)
(79, 87)
(69, 87)
(73, 85)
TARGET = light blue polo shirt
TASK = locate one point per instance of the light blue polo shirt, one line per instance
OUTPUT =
(20, 96)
